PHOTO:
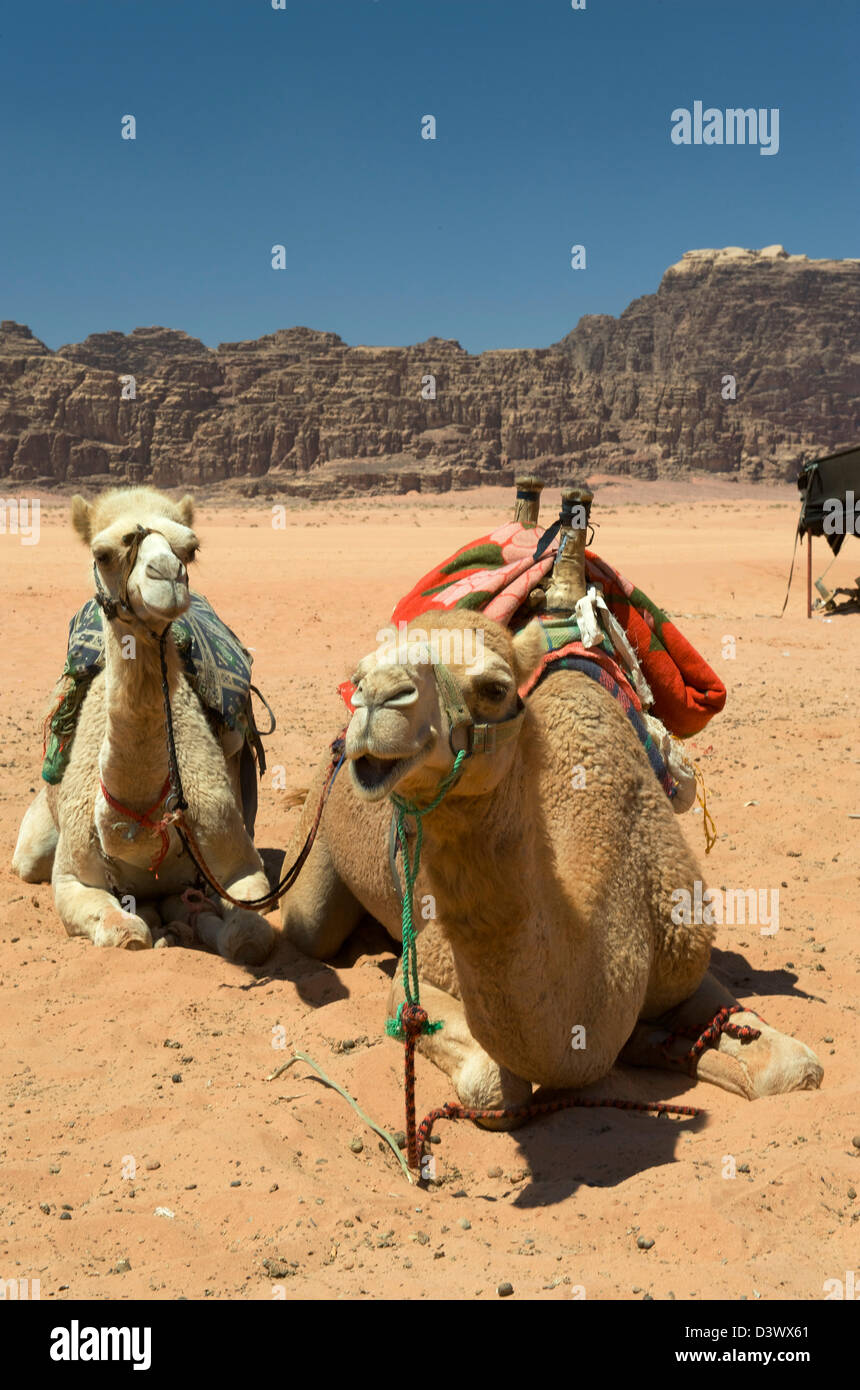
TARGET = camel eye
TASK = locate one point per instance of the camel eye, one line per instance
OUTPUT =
(103, 554)
(494, 691)
(127, 540)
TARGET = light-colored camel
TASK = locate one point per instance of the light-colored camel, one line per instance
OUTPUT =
(97, 857)
(547, 944)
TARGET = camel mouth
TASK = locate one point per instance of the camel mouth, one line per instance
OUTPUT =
(373, 777)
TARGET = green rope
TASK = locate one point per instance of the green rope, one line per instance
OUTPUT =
(393, 1026)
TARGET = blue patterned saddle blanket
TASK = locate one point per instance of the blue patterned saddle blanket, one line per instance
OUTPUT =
(218, 668)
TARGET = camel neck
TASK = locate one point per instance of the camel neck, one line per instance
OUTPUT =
(133, 757)
(481, 852)
(514, 931)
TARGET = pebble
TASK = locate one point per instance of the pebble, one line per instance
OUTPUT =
(65, 1216)
(276, 1268)
(124, 1266)
(169, 1043)
(67, 1206)
(494, 1172)
(237, 1182)
(356, 1145)
(176, 1077)
(851, 1193)
(505, 1290)
(43, 1206)
(151, 1165)
(54, 1168)
(644, 1242)
(465, 1223)
(856, 1141)
(827, 1040)
(421, 1237)
(399, 1138)
(743, 1167)
(189, 1187)
(274, 1187)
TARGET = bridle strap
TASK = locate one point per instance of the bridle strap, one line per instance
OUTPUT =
(478, 738)
(109, 605)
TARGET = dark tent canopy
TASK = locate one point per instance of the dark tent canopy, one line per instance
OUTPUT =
(831, 480)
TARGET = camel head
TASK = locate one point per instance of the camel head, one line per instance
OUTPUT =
(142, 544)
(447, 681)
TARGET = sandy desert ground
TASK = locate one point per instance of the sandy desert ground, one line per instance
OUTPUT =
(251, 1189)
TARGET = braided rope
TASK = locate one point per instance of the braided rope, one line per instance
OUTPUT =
(719, 1024)
(394, 1026)
(414, 1019)
(450, 1111)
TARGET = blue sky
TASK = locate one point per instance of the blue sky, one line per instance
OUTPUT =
(302, 127)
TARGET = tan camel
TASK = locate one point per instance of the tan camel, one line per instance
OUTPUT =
(96, 855)
(548, 944)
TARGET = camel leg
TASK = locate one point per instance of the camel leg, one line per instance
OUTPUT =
(239, 934)
(319, 912)
(33, 859)
(89, 909)
(767, 1066)
(480, 1082)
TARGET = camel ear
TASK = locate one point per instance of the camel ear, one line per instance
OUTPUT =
(529, 651)
(81, 511)
(186, 510)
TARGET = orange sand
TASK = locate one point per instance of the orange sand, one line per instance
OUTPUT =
(554, 1208)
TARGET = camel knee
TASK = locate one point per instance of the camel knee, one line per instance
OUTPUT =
(483, 1085)
(122, 930)
(33, 859)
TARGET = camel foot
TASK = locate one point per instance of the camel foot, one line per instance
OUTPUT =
(122, 930)
(245, 937)
(766, 1066)
(174, 933)
(483, 1085)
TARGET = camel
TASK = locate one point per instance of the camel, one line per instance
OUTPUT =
(82, 833)
(547, 944)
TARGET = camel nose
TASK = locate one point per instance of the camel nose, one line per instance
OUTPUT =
(385, 689)
(167, 567)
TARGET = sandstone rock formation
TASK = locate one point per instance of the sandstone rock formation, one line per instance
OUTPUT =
(302, 413)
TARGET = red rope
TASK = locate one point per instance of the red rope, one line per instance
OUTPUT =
(719, 1024)
(413, 1018)
(145, 818)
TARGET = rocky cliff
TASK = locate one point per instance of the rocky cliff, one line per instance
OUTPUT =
(300, 411)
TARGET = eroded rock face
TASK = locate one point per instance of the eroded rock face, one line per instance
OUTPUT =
(646, 394)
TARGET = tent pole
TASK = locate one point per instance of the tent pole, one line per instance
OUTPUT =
(809, 574)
